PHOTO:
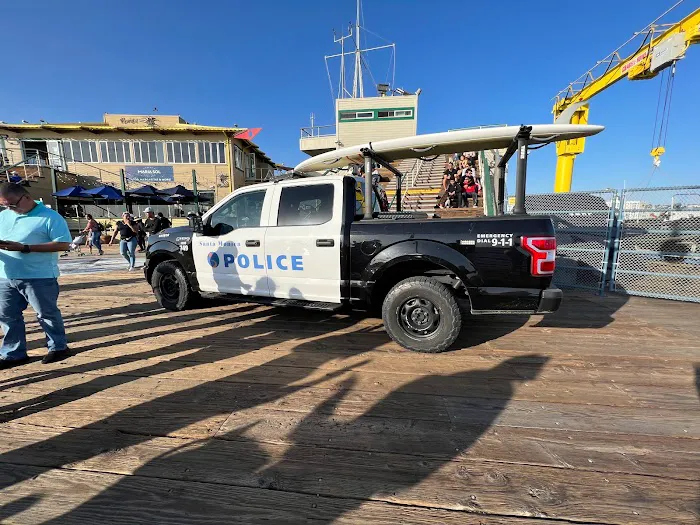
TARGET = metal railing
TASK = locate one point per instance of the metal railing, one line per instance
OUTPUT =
(318, 131)
(11, 169)
(34, 157)
(410, 180)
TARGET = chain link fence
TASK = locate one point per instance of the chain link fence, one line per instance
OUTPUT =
(584, 225)
(658, 246)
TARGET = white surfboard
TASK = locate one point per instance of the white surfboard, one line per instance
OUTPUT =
(440, 143)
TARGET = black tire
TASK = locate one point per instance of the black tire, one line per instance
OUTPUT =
(422, 314)
(171, 287)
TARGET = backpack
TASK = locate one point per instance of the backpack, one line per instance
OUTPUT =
(100, 226)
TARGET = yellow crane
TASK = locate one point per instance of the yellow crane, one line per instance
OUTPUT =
(662, 46)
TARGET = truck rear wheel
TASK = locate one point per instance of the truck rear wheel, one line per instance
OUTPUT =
(422, 314)
(170, 286)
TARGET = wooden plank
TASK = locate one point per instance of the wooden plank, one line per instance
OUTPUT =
(126, 415)
(497, 386)
(599, 451)
(596, 348)
(145, 396)
(528, 414)
(631, 370)
(81, 497)
(650, 455)
(261, 335)
(129, 358)
(452, 484)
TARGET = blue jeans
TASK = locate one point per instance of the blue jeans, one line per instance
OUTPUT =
(96, 241)
(128, 250)
(42, 294)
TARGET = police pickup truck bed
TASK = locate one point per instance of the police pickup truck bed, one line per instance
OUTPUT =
(301, 242)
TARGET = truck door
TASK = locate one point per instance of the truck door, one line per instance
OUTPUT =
(230, 255)
(303, 241)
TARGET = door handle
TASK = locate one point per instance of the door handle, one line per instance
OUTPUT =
(325, 243)
(252, 244)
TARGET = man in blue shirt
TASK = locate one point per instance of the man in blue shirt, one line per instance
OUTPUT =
(31, 235)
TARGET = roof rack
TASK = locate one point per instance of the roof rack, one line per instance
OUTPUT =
(286, 176)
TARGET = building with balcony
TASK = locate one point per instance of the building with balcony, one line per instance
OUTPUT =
(161, 150)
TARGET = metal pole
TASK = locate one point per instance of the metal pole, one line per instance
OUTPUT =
(398, 192)
(122, 180)
(342, 75)
(54, 187)
(368, 187)
(357, 82)
(501, 189)
(522, 139)
(194, 190)
(520, 173)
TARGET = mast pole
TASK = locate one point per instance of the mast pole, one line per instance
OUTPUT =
(357, 81)
(342, 67)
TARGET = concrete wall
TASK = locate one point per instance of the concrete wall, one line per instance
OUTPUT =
(362, 131)
(114, 119)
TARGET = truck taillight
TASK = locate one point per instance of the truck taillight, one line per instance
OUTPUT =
(543, 251)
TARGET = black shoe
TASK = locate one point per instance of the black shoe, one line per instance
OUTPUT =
(58, 355)
(10, 363)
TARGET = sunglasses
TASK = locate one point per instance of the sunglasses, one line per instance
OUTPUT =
(13, 206)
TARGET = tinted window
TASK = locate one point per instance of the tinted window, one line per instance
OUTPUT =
(243, 211)
(306, 205)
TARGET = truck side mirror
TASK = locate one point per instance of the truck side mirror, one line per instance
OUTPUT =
(196, 224)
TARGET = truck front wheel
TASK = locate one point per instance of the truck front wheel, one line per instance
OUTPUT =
(422, 314)
(170, 286)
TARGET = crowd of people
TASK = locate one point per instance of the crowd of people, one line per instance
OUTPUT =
(461, 182)
(132, 232)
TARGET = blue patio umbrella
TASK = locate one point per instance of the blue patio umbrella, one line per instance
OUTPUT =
(178, 191)
(145, 191)
(72, 191)
(105, 192)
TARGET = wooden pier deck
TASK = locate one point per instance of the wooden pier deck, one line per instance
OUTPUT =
(237, 413)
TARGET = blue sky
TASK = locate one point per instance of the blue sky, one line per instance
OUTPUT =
(261, 64)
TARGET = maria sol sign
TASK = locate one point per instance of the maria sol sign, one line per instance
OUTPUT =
(150, 173)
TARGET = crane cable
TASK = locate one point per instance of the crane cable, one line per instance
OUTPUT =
(658, 144)
(662, 124)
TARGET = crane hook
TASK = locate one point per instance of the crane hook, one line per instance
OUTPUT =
(656, 153)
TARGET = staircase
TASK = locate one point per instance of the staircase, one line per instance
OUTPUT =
(36, 177)
(34, 173)
(421, 190)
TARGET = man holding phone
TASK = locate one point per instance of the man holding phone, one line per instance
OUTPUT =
(31, 236)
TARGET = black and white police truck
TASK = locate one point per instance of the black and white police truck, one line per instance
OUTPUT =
(312, 242)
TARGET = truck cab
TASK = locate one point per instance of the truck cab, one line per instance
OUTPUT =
(278, 240)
